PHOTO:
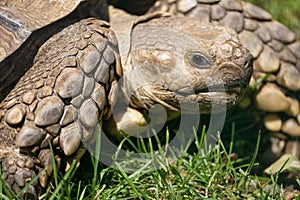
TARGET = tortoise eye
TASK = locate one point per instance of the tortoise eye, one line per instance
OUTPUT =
(199, 61)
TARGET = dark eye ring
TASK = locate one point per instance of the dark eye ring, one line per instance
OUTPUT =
(199, 61)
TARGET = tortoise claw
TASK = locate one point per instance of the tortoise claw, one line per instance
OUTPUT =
(30, 194)
(17, 171)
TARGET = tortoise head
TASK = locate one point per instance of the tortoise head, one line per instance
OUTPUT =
(177, 61)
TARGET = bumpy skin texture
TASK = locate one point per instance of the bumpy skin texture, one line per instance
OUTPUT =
(50, 106)
(71, 85)
(15, 61)
(27, 25)
(187, 60)
(71, 88)
(266, 39)
(276, 53)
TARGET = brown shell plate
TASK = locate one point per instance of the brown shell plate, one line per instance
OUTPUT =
(18, 19)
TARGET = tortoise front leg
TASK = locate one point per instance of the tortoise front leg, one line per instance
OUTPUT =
(66, 93)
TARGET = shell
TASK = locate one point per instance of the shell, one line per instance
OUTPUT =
(40, 13)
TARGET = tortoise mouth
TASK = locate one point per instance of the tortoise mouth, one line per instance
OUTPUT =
(209, 101)
(214, 98)
(234, 86)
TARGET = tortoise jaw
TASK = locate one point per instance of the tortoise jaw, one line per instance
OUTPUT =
(235, 86)
(217, 98)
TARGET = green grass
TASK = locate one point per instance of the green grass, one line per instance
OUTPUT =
(217, 174)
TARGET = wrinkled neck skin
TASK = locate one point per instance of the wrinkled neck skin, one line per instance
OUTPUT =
(127, 118)
(176, 65)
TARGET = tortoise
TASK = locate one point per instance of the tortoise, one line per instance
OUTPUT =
(67, 68)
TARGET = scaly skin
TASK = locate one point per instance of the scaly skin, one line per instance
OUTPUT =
(276, 53)
(25, 26)
(71, 87)
(60, 100)
(186, 63)
(39, 111)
